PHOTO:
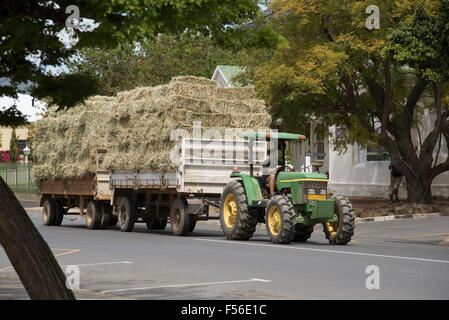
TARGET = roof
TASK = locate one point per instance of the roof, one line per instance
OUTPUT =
(276, 135)
(228, 73)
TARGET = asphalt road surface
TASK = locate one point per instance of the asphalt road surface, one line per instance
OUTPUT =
(203, 265)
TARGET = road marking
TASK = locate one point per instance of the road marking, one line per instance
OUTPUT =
(70, 251)
(101, 263)
(188, 285)
(325, 250)
(426, 235)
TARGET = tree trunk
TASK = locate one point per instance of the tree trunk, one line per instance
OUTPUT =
(28, 252)
(419, 190)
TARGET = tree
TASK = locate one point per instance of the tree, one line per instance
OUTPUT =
(13, 151)
(30, 43)
(374, 83)
(150, 63)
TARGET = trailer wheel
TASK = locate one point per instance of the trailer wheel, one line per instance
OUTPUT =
(180, 220)
(49, 212)
(59, 213)
(93, 215)
(192, 224)
(302, 232)
(105, 216)
(237, 220)
(280, 220)
(127, 214)
(341, 231)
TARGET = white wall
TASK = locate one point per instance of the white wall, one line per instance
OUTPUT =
(351, 175)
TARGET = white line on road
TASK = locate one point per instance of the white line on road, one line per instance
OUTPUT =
(85, 265)
(324, 250)
(188, 285)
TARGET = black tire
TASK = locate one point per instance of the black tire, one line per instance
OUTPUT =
(192, 224)
(346, 222)
(105, 216)
(127, 214)
(180, 219)
(246, 218)
(302, 232)
(49, 212)
(93, 215)
(59, 214)
(287, 221)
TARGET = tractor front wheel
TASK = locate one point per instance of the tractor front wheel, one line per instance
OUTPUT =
(341, 229)
(237, 220)
(280, 220)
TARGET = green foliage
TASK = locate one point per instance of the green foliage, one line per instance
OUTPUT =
(423, 43)
(30, 36)
(151, 63)
(13, 151)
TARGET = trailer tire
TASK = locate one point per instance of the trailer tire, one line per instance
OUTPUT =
(105, 216)
(127, 214)
(180, 219)
(280, 220)
(192, 224)
(49, 212)
(237, 220)
(59, 214)
(93, 215)
(302, 232)
(342, 233)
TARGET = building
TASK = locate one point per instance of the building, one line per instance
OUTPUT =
(22, 137)
(224, 75)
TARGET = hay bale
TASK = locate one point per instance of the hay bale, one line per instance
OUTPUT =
(135, 126)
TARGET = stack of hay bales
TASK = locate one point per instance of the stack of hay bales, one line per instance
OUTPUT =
(135, 126)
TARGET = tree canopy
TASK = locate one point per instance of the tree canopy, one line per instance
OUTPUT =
(31, 33)
(332, 68)
(151, 63)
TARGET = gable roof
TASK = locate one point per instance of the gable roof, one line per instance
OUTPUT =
(228, 72)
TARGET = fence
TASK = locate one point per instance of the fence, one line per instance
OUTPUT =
(18, 177)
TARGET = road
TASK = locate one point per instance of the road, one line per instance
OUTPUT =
(203, 265)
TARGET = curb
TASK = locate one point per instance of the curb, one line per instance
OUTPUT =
(397, 217)
(357, 220)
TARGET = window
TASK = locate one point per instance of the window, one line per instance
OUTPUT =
(21, 144)
(376, 153)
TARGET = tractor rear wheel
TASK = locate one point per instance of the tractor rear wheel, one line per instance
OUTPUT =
(237, 220)
(302, 232)
(341, 231)
(280, 219)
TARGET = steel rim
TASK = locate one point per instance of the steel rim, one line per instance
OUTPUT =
(332, 227)
(230, 211)
(274, 220)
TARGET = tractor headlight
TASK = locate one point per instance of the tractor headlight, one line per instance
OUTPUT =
(323, 191)
(311, 191)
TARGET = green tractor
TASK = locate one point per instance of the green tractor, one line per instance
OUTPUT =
(299, 202)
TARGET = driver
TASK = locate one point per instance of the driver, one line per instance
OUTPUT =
(269, 174)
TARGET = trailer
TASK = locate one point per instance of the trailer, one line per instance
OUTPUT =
(179, 197)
